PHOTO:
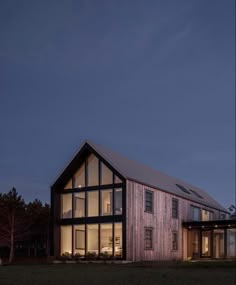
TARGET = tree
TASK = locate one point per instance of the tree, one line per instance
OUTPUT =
(39, 217)
(13, 220)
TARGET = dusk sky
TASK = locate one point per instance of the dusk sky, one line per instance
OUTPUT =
(152, 80)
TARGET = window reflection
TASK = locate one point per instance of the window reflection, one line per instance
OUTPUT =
(66, 206)
(79, 239)
(106, 202)
(66, 239)
(92, 203)
(79, 204)
(92, 170)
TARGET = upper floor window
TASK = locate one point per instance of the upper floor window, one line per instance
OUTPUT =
(195, 213)
(175, 208)
(174, 241)
(222, 216)
(148, 201)
(148, 238)
(207, 215)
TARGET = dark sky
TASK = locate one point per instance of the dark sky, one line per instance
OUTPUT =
(153, 80)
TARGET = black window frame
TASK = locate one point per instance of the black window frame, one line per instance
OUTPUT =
(175, 241)
(175, 208)
(148, 202)
(148, 238)
(192, 207)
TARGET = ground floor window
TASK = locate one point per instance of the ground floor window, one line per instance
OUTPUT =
(174, 241)
(148, 238)
(103, 239)
(231, 243)
(212, 243)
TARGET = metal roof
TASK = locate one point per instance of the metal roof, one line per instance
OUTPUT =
(143, 174)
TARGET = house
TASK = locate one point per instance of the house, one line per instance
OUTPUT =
(105, 203)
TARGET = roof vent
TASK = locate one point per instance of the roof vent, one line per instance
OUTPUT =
(183, 189)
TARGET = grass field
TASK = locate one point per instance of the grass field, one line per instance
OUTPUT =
(138, 273)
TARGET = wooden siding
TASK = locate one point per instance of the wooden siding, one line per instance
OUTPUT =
(160, 220)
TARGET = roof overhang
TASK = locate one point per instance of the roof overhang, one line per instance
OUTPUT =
(221, 224)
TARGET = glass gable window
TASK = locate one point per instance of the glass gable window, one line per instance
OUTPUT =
(68, 185)
(118, 201)
(106, 239)
(79, 239)
(66, 240)
(148, 201)
(79, 204)
(92, 170)
(195, 213)
(92, 203)
(106, 175)
(106, 202)
(79, 177)
(175, 208)
(66, 206)
(117, 180)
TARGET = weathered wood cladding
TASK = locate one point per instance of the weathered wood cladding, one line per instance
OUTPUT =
(160, 220)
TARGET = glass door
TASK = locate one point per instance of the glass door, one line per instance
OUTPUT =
(206, 244)
(218, 244)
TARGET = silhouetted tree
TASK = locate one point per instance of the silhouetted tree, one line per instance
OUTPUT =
(13, 220)
(39, 216)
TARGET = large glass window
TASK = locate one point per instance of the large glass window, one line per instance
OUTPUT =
(118, 240)
(79, 239)
(79, 204)
(231, 243)
(79, 177)
(92, 203)
(195, 213)
(175, 208)
(66, 206)
(148, 238)
(106, 175)
(193, 244)
(106, 202)
(66, 239)
(206, 243)
(92, 239)
(106, 239)
(118, 201)
(207, 215)
(68, 185)
(92, 170)
(218, 243)
(117, 179)
(148, 201)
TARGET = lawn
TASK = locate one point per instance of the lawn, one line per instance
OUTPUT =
(138, 273)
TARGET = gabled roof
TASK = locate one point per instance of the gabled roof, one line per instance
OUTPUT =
(143, 174)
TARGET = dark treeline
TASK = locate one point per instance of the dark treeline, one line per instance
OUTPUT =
(24, 227)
